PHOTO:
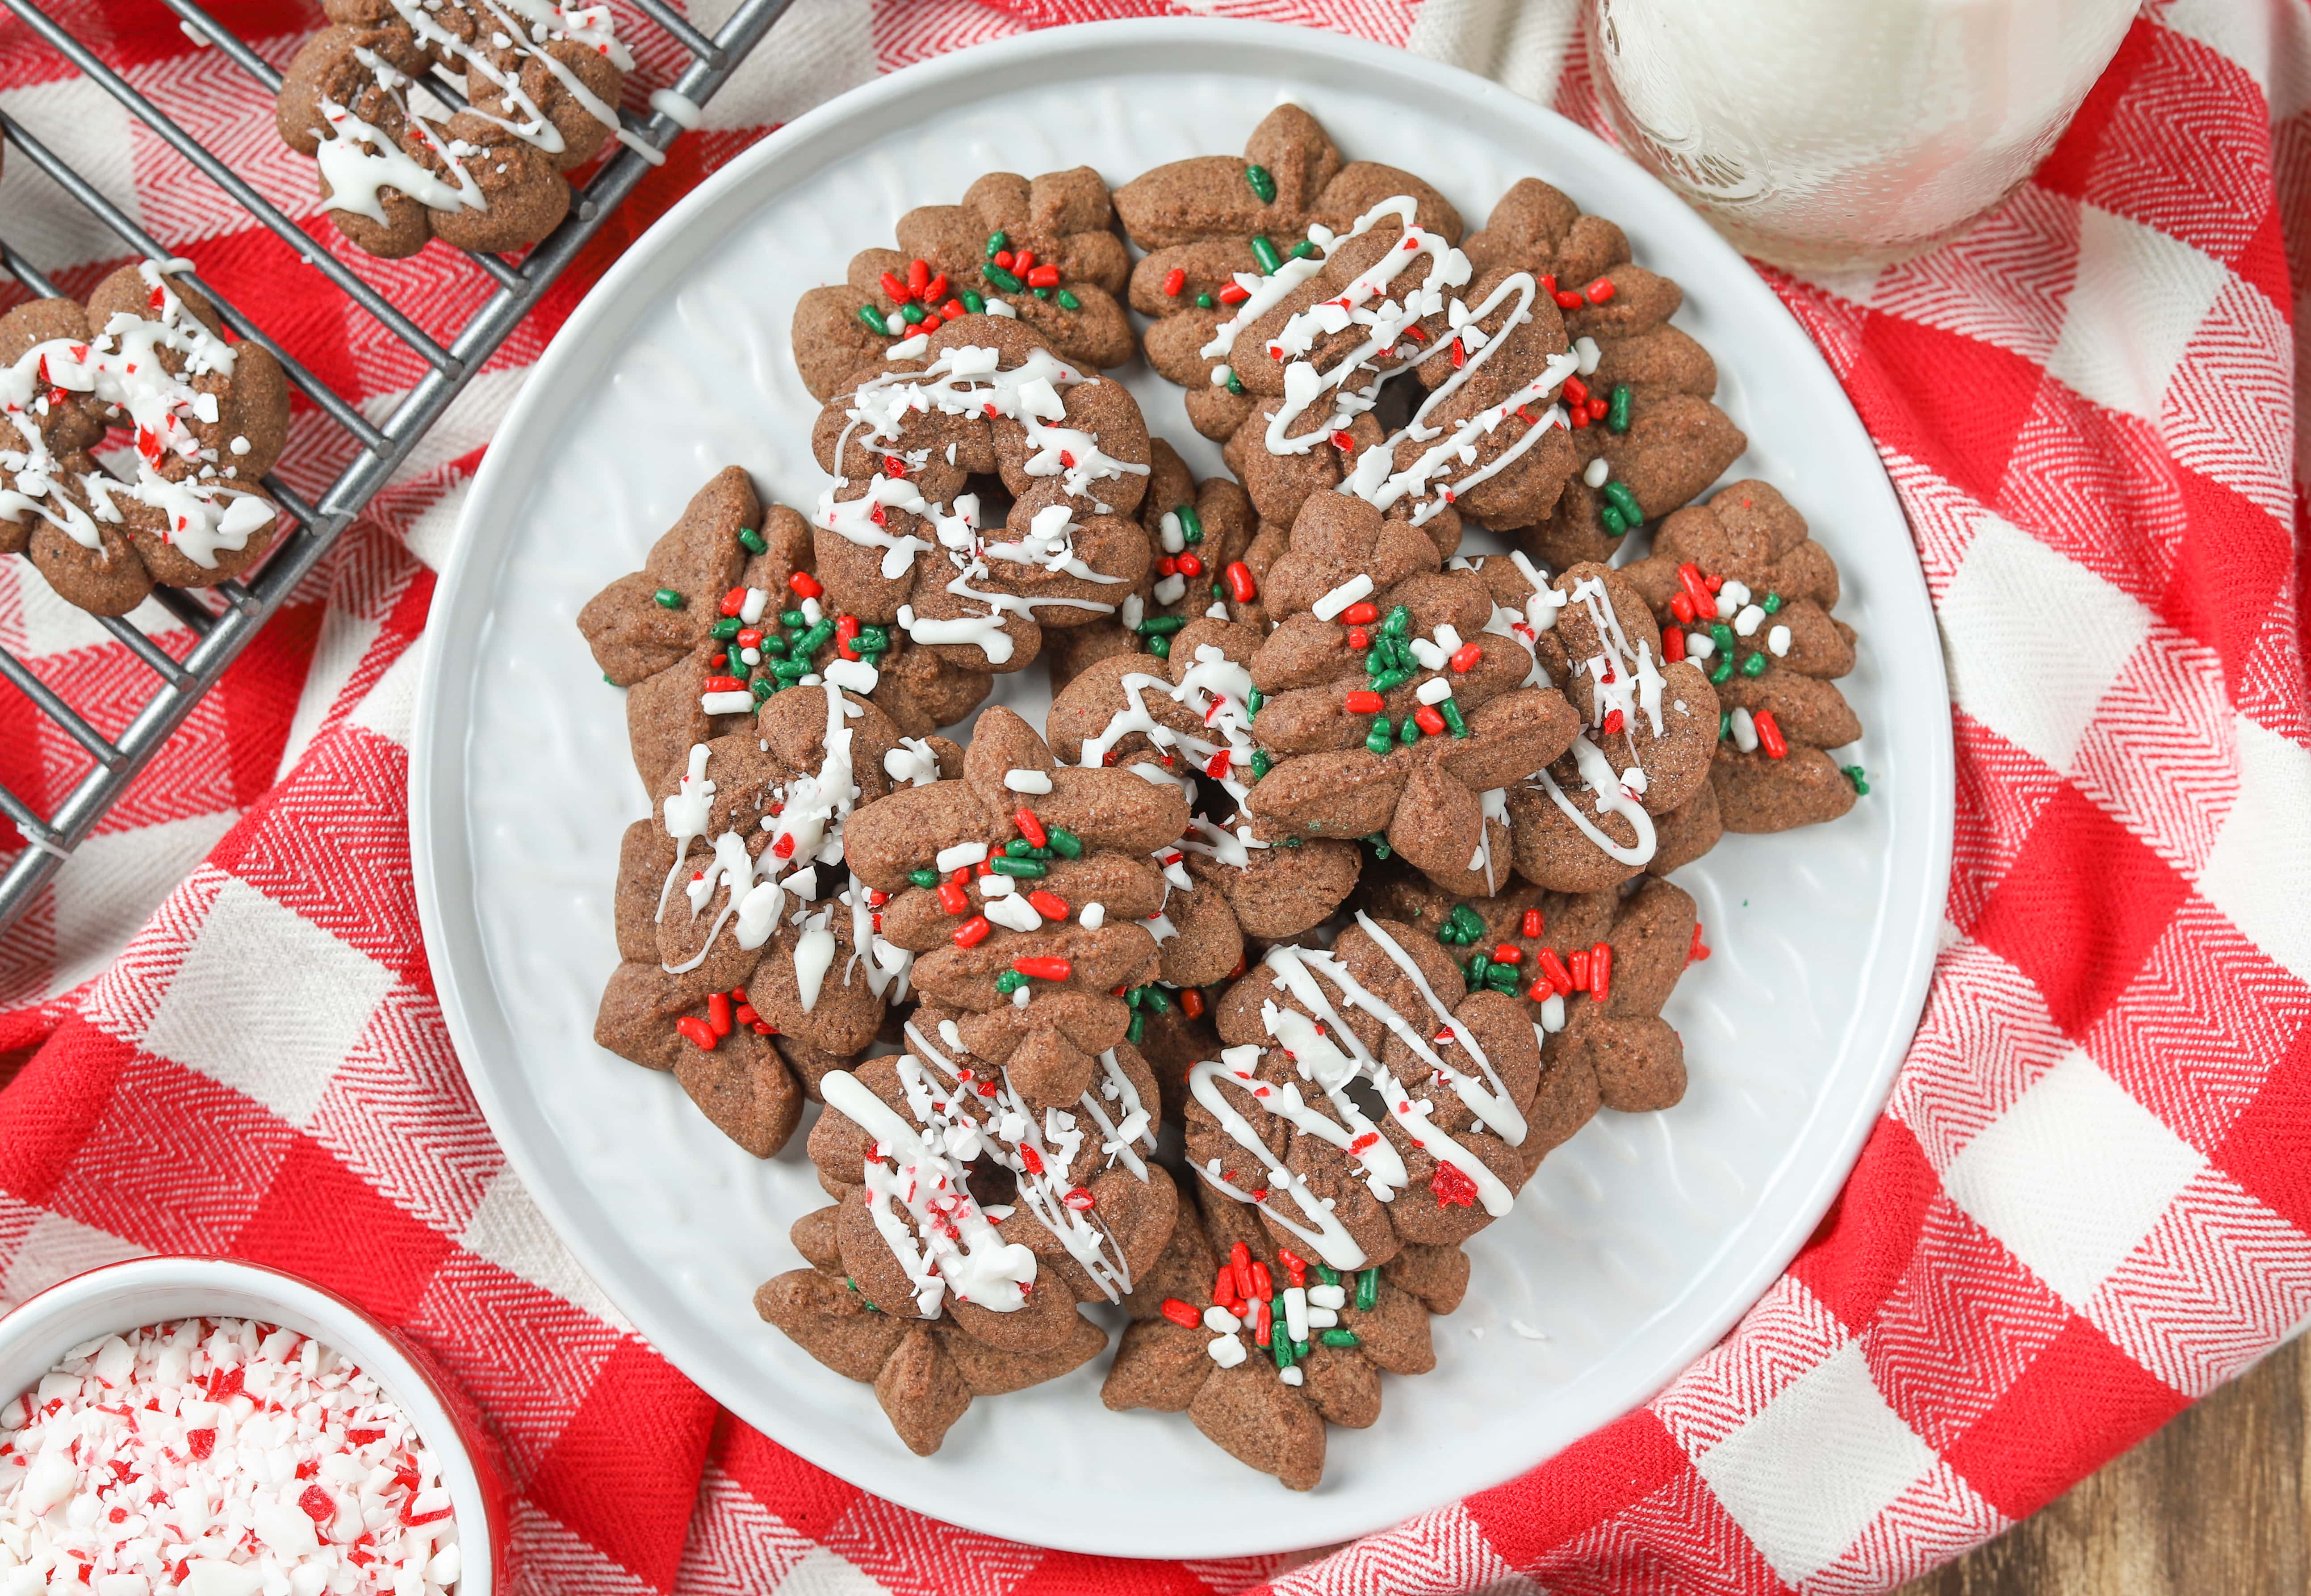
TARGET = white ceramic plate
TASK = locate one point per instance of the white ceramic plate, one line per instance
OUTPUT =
(1639, 1243)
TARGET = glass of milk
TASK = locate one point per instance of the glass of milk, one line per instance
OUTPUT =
(1827, 134)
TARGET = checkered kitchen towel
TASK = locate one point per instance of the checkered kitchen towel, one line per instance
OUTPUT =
(2087, 1203)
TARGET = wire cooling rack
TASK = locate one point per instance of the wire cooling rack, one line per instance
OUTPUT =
(224, 618)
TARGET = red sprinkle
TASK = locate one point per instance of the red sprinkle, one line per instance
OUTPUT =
(1452, 1188)
(319, 1504)
(1294, 1265)
(896, 289)
(1031, 828)
(1697, 950)
(1567, 301)
(806, 584)
(1048, 904)
(1242, 588)
(1465, 658)
(846, 632)
(1006, 260)
(1180, 1314)
(1552, 967)
(1217, 766)
(1598, 408)
(1366, 703)
(1460, 355)
(1080, 1199)
(1343, 442)
(1043, 277)
(1234, 293)
(1600, 971)
(1508, 953)
(1025, 262)
(700, 1034)
(1579, 960)
(1577, 390)
(972, 932)
(1427, 718)
(1224, 1290)
(1191, 565)
(1264, 1330)
(954, 899)
(1681, 605)
(933, 289)
(722, 684)
(1166, 565)
(734, 601)
(1613, 722)
(1359, 639)
(1600, 291)
(1696, 589)
(1262, 1285)
(1769, 734)
(919, 275)
(1672, 644)
(1240, 1259)
(1191, 1002)
(1364, 612)
(1174, 280)
(717, 1012)
(1044, 968)
(1533, 922)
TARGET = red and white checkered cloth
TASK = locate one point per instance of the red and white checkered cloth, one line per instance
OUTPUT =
(2087, 1203)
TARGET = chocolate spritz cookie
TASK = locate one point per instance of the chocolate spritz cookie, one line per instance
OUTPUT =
(1262, 1346)
(400, 166)
(978, 1201)
(725, 613)
(1593, 970)
(1043, 251)
(737, 922)
(210, 416)
(1741, 589)
(984, 491)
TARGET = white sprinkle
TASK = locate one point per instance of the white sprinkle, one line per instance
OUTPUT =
(960, 855)
(1093, 916)
(1327, 1296)
(1291, 1375)
(1552, 1014)
(726, 703)
(1170, 589)
(1699, 645)
(1746, 623)
(1777, 641)
(1586, 348)
(1436, 690)
(906, 349)
(1013, 912)
(1220, 1321)
(1220, 375)
(1599, 470)
(1034, 782)
(1226, 1350)
(1745, 731)
(1332, 604)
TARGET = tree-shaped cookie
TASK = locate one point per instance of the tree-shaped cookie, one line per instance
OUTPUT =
(1262, 1346)
(1741, 589)
(984, 490)
(737, 918)
(208, 418)
(1042, 249)
(731, 579)
(399, 165)
(1593, 970)
(1645, 433)
(1388, 702)
(978, 1201)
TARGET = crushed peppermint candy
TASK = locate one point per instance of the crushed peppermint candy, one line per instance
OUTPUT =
(218, 1457)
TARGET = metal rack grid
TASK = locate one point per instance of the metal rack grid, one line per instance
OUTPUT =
(222, 625)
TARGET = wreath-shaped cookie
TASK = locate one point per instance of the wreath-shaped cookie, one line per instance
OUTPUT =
(209, 418)
(916, 531)
(400, 164)
(1366, 1098)
(1741, 589)
(1262, 1348)
(738, 920)
(1043, 250)
(731, 579)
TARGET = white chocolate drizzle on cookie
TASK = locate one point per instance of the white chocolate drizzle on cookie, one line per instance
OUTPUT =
(1330, 1056)
(1216, 691)
(123, 368)
(1625, 682)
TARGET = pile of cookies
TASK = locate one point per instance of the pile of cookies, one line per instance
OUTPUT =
(1332, 893)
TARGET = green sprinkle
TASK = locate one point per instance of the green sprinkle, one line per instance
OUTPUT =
(1215, 590)
(1399, 622)
(1203, 301)
(1306, 250)
(1616, 493)
(1612, 520)
(1388, 681)
(1281, 1343)
(1019, 847)
(1161, 625)
(606, 676)
(1773, 603)
(1722, 635)
(793, 619)
(1261, 183)
(1138, 1028)
(1616, 408)
(790, 670)
(1326, 1273)
(1265, 254)
(762, 687)
(1041, 293)
(1156, 1000)
(1720, 670)
(972, 303)
(997, 242)
(1064, 843)
(874, 320)
(1026, 869)
(1466, 922)
(1379, 839)
(1258, 698)
(911, 313)
(1261, 764)
(861, 646)
(999, 278)
(1475, 970)
(726, 629)
(1724, 724)
(1754, 666)
(1382, 738)
(772, 643)
(1192, 525)
(923, 878)
(1133, 997)
(751, 541)
(1161, 646)
(1501, 978)
(1854, 773)
(1367, 1295)
(1347, 1337)
(1009, 981)
(1451, 713)
(1068, 301)
(668, 599)
(1409, 732)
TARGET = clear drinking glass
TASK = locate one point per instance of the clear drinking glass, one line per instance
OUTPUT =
(1825, 134)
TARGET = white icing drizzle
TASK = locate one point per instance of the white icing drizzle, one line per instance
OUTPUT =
(122, 368)
(1215, 690)
(1624, 681)
(970, 380)
(1330, 1056)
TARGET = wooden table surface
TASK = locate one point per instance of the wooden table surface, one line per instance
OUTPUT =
(2217, 1504)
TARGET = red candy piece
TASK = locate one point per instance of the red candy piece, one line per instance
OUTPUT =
(1673, 644)
(1577, 390)
(1234, 293)
(1050, 905)
(319, 1504)
(1180, 1314)
(1081, 1200)
(954, 899)
(972, 932)
(806, 584)
(717, 1013)
(1579, 960)
(919, 275)
(1031, 828)
(1043, 968)
(1769, 734)
(896, 289)
(734, 601)
(1366, 703)
(1600, 971)
(1190, 565)
(1533, 922)
(1452, 1189)
(1364, 612)
(699, 1034)
(1464, 658)
(1242, 588)
(1427, 718)
(1359, 639)
(1600, 291)
(1192, 1002)
(1174, 280)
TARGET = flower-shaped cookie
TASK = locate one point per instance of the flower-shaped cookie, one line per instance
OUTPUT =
(984, 489)
(1388, 701)
(735, 897)
(1043, 248)
(1645, 436)
(732, 579)
(1593, 970)
(1740, 588)
(1366, 1098)
(209, 418)
(400, 166)
(1261, 1347)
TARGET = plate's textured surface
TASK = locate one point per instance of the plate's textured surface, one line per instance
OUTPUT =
(1635, 1245)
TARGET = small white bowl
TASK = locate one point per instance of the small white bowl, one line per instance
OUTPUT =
(35, 1335)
